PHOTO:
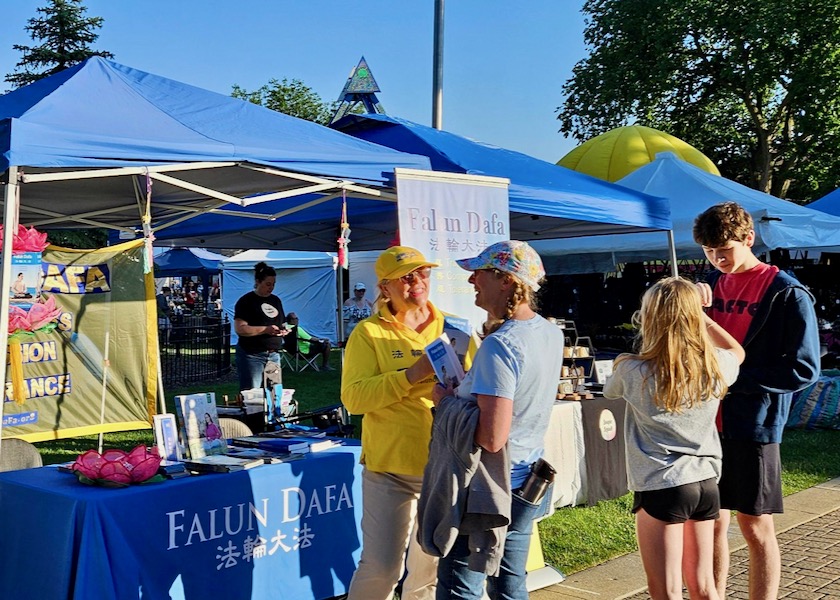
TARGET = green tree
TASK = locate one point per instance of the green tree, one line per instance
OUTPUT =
(751, 83)
(289, 97)
(65, 35)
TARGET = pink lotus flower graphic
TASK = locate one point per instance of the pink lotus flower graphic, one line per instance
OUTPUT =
(117, 468)
(26, 240)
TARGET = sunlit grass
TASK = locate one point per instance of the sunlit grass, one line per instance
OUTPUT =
(576, 538)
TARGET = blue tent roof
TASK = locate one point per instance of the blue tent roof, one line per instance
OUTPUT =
(830, 203)
(536, 187)
(690, 190)
(101, 114)
(178, 262)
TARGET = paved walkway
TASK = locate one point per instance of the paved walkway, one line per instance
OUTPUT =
(809, 536)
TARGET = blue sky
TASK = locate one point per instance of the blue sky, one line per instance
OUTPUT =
(504, 62)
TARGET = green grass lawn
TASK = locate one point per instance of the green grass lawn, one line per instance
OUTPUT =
(574, 538)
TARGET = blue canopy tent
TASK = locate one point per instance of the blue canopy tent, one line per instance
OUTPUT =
(178, 262)
(111, 130)
(546, 201)
(830, 203)
(690, 191)
(105, 145)
(189, 262)
(539, 191)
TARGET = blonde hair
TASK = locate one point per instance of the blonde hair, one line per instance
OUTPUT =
(674, 342)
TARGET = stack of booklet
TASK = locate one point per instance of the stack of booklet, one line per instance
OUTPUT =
(221, 463)
(287, 442)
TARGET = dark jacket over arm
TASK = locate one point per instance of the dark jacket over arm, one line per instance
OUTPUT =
(782, 356)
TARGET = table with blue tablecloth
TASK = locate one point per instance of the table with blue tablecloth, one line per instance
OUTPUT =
(288, 530)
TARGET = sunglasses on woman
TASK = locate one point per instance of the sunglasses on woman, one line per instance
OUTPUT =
(422, 273)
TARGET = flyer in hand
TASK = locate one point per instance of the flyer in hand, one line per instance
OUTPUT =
(445, 361)
(459, 333)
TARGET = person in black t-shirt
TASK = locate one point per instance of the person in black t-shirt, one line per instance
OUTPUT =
(258, 320)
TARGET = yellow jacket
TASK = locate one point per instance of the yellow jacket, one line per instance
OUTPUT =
(397, 422)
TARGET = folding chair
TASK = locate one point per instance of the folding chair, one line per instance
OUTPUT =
(295, 359)
(233, 428)
(17, 454)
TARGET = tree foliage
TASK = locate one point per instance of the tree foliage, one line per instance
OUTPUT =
(289, 97)
(82, 239)
(753, 84)
(65, 35)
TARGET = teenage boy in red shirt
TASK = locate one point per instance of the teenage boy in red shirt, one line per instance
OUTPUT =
(772, 315)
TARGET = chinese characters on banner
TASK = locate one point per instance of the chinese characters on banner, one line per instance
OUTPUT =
(450, 216)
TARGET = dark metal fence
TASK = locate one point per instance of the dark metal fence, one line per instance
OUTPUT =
(194, 349)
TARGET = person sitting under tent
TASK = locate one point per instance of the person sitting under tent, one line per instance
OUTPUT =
(308, 345)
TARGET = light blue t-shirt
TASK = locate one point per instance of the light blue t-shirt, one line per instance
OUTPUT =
(521, 361)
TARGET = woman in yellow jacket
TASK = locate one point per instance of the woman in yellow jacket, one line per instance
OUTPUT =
(388, 379)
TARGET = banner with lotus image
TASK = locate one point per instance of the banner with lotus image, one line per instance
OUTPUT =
(82, 344)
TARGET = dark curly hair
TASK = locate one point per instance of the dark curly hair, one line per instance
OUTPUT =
(722, 223)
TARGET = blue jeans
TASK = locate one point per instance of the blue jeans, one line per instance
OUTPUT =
(456, 581)
(250, 367)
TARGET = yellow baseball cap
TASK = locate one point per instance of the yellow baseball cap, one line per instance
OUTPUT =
(398, 261)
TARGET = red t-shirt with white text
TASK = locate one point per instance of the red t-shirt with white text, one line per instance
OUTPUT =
(735, 302)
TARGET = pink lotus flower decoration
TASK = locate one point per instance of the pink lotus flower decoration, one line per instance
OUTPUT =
(27, 240)
(117, 468)
(39, 316)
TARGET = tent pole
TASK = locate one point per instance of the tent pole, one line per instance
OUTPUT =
(673, 249)
(11, 199)
(104, 386)
(339, 271)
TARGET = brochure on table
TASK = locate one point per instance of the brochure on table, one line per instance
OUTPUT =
(200, 431)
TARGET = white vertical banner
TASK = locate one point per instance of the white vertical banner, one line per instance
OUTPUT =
(448, 216)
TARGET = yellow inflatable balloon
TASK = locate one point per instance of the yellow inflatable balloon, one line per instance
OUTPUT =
(619, 152)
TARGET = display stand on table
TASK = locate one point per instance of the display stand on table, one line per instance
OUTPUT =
(578, 362)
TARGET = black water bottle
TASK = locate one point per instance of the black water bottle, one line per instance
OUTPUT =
(542, 476)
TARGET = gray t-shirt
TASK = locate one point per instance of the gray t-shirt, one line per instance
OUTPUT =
(665, 449)
(521, 361)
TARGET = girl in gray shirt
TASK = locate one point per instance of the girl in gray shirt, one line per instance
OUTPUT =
(673, 388)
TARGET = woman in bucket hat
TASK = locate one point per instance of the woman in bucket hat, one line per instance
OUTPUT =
(513, 380)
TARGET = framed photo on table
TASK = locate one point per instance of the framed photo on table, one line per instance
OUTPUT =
(603, 370)
(166, 437)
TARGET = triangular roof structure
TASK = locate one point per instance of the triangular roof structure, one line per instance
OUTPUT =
(537, 187)
(106, 127)
(360, 88)
(690, 191)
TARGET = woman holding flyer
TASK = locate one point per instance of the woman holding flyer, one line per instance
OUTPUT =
(388, 379)
(509, 390)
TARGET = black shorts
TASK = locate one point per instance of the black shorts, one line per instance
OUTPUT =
(696, 501)
(751, 482)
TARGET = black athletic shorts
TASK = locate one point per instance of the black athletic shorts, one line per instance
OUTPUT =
(751, 482)
(696, 501)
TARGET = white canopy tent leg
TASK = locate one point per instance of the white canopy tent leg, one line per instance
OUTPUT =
(11, 200)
